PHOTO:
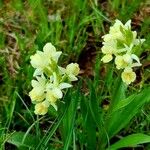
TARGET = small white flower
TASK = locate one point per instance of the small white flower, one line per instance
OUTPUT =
(109, 47)
(50, 51)
(128, 76)
(39, 61)
(115, 31)
(40, 109)
(107, 37)
(72, 70)
(38, 92)
(127, 60)
(123, 61)
(44, 60)
(53, 95)
(54, 92)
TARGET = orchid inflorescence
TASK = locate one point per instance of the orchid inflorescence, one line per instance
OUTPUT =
(122, 43)
(50, 78)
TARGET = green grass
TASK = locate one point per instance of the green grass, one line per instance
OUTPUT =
(83, 122)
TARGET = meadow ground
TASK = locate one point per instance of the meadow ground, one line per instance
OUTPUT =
(99, 111)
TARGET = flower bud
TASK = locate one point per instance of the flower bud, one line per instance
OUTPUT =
(73, 69)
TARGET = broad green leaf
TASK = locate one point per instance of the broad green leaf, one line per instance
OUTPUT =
(16, 139)
(123, 103)
(118, 93)
(120, 118)
(130, 141)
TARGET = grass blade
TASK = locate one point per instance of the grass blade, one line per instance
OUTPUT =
(44, 142)
(16, 139)
(72, 113)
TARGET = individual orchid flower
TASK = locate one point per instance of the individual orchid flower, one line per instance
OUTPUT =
(126, 60)
(45, 61)
(54, 92)
(123, 61)
(40, 109)
(115, 32)
(108, 49)
(50, 51)
(72, 70)
(37, 94)
(128, 76)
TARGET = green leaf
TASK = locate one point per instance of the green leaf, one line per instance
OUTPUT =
(129, 37)
(95, 119)
(120, 118)
(123, 31)
(16, 139)
(120, 43)
(91, 131)
(130, 141)
(123, 103)
(70, 118)
(109, 77)
(118, 93)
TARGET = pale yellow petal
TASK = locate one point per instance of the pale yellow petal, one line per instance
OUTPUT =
(107, 58)
(49, 48)
(50, 97)
(73, 68)
(57, 93)
(55, 106)
(128, 76)
(40, 109)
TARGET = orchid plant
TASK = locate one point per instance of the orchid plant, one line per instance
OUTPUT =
(50, 79)
(121, 42)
